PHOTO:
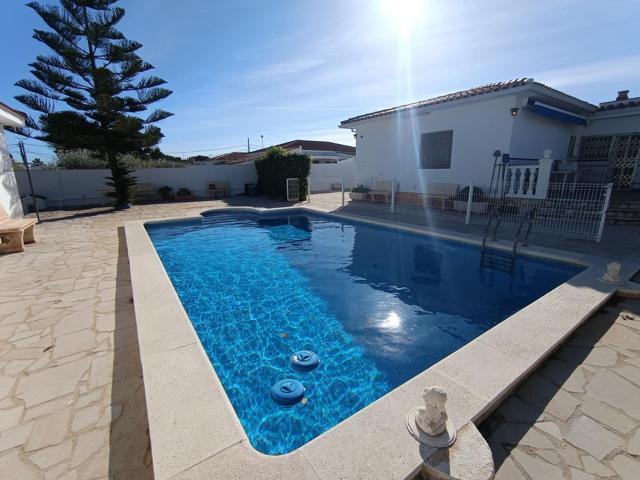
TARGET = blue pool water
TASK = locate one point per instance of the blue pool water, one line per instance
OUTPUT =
(377, 305)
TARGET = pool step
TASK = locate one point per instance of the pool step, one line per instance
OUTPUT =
(496, 259)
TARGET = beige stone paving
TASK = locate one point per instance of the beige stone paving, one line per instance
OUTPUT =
(578, 416)
(71, 391)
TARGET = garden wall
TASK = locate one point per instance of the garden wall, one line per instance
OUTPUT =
(323, 175)
(68, 188)
(75, 188)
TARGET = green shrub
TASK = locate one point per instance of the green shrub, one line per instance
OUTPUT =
(274, 169)
(134, 162)
(80, 159)
(85, 159)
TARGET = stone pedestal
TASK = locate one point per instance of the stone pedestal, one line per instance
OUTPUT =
(469, 458)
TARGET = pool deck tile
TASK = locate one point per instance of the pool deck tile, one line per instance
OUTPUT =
(594, 428)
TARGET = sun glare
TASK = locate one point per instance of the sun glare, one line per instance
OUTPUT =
(403, 14)
(392, 321)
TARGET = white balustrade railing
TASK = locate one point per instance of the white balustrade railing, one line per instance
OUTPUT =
(529, 181)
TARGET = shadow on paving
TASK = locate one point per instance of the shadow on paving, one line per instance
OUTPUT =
(75, 214)
(518, 413)
(130, 449)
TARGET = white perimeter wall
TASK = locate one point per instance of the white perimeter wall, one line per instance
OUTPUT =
(9, 196)
(83, 187)
(389, 147)
(323, 175)
(64, 188)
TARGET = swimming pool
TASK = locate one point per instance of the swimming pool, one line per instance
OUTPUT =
(377, 305)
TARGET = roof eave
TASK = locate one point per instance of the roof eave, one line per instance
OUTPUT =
(437, 106)
(569, 100)
(10, 118)
(617, 112)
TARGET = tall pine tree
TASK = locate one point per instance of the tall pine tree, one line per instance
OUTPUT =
(95, 73)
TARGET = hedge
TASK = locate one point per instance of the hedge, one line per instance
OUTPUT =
(274, 169)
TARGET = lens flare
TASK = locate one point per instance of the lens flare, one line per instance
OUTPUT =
(403, 14)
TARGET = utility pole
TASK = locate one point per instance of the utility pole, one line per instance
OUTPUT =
(248, 146)
(23, 154)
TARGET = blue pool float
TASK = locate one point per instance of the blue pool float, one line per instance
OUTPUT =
(304, 361)
(287, 392)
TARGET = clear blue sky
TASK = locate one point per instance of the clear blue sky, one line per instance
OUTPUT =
(291, 69)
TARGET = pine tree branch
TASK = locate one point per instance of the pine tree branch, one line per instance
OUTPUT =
(110, 18)
(156, 116)
(120, 52)
(37, 88)
(36, 102)
(99, 4)
(57, 43)
(152, 95)
(65, 65)
(58, 20)
(54, 78)
(145, 83)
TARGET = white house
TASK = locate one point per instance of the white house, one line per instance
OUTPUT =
(452, 138)
(9, 196)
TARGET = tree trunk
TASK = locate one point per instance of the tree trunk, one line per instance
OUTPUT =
(121, 181)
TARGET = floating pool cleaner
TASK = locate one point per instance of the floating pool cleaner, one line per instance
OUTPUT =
(304, 361)
(287, 392)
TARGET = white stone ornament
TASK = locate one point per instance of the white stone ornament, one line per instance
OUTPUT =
(432, 418)
(612, 275)
(430, 424)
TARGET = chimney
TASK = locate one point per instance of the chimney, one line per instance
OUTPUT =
(623, 95)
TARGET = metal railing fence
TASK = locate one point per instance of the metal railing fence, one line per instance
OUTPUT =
(571, 210)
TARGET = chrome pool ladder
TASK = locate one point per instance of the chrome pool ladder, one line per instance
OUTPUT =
(492, 257)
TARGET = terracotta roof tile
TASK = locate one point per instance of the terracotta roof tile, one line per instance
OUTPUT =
(471, 92)
(634, 102)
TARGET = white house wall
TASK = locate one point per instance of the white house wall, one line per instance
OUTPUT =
(613, 125)
(389, 146)
(9, 196)
(532, 134)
